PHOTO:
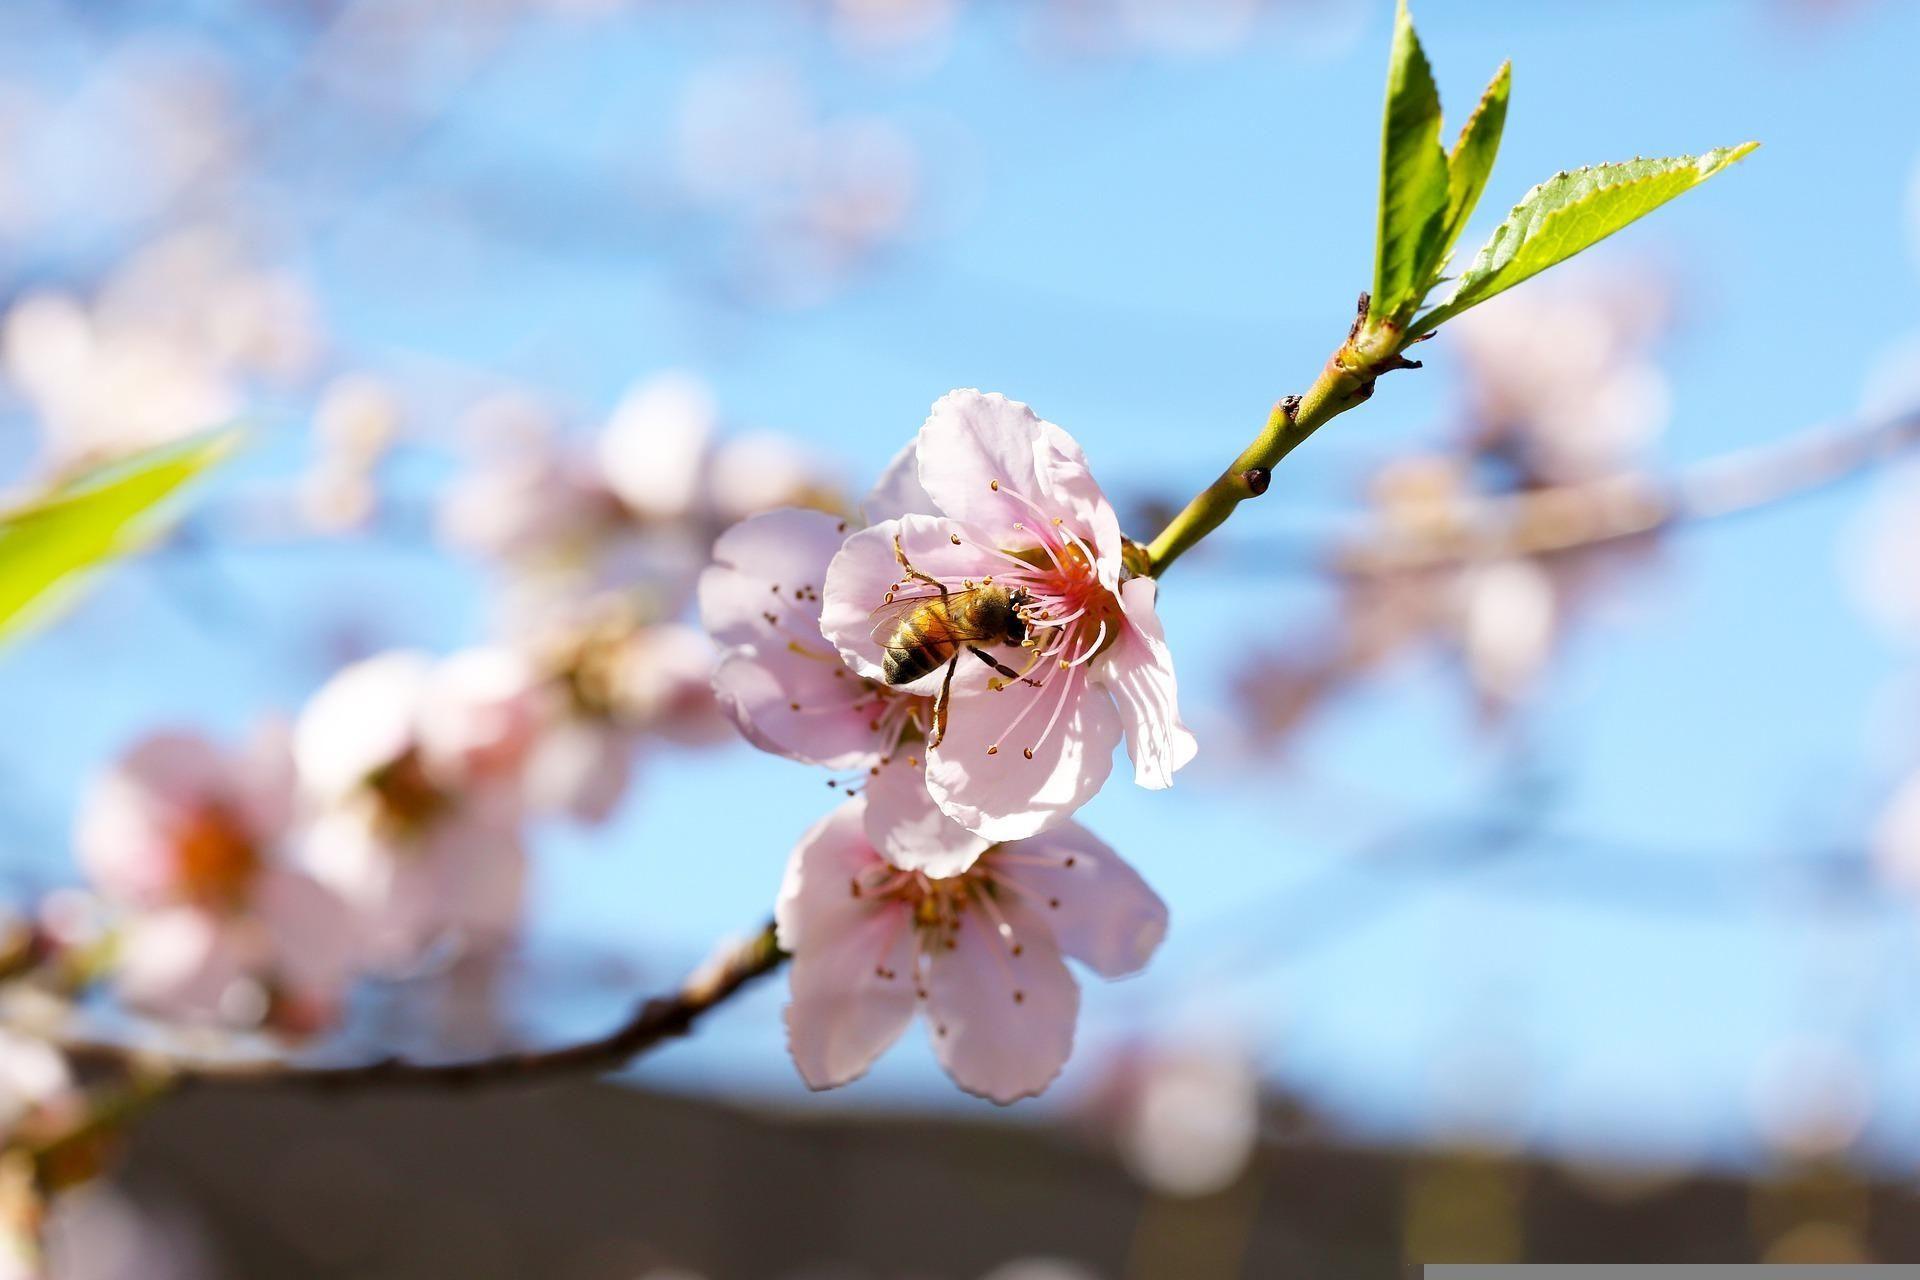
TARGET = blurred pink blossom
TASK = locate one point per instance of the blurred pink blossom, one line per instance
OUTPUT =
(982, 952)
(191, 842)
(413, 772)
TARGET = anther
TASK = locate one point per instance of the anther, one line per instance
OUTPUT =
(954, 538)
(1027, 752)
(994, 485)
(994, 750)
(841, 527)
(793, 706)
(1019, 997)
(1054, 903)
(1070, 860)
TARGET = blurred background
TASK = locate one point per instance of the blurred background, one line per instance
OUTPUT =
(1544, 884)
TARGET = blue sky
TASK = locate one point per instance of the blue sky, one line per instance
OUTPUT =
(1149, 250)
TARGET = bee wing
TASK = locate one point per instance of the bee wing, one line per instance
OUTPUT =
(887, 618)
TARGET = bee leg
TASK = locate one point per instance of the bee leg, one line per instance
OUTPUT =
(906, 565)
(1005, 670)
(941, 703)
(1010, 674)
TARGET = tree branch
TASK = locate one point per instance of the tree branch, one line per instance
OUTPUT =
(659, 1019)
(1344, 381)
(1575, 516)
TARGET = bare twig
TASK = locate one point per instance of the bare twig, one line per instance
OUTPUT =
(1575, 516)
(659, 1019)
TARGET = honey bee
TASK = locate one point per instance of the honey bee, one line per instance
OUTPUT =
(934, 625)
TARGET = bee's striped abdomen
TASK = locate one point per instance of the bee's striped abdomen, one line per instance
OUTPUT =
(922, 642)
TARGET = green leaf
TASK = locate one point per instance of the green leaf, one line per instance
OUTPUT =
(1413, 180)
(1571, 211)
(107, 513)
(1471, 160)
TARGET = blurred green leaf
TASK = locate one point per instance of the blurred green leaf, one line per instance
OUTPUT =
(1471, 160)
(48, 544)
(1571, 211)
(1413, 180)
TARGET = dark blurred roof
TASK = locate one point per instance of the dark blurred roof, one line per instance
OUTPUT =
(599, 1182)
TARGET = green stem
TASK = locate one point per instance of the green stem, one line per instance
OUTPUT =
(1346, 380)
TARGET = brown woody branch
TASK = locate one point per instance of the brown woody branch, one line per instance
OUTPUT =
(659, 1019)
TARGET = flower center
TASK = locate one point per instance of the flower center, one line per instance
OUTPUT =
(940, 906)
(215, 856)
(409, 798)
(1070, 617)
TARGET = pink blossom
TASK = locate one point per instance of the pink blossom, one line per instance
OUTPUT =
(620, 686)
(1015, 508)
(789, 691)
(981, 951)
(191, 842)
(413, 771)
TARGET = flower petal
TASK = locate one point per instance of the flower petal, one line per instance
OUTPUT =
(1071, 488)
(807, 708)
(180, 962)
(977, 451)
(360, 720)
(1002, 1020)
(1138, 670)
(311, 932)
(852, 977)
(654, 448)
(898, 492)
(1100, 910)
(580, 768)
(774, 563)
(814, 892)
(1003, 795)
(126, 828)
(909, 830)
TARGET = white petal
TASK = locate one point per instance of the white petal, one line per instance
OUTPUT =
(908, 828)
(853, 995)
(1100, 911)
(898, 492)
(311, 931)
(810, 709)
(852, 974)
(179, 962)
(580, 768)
(359, 721)
(1000, 793)
(1138, 671)
(774, 563)
(654, 448)
(977, 451)
(1002, 1023)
